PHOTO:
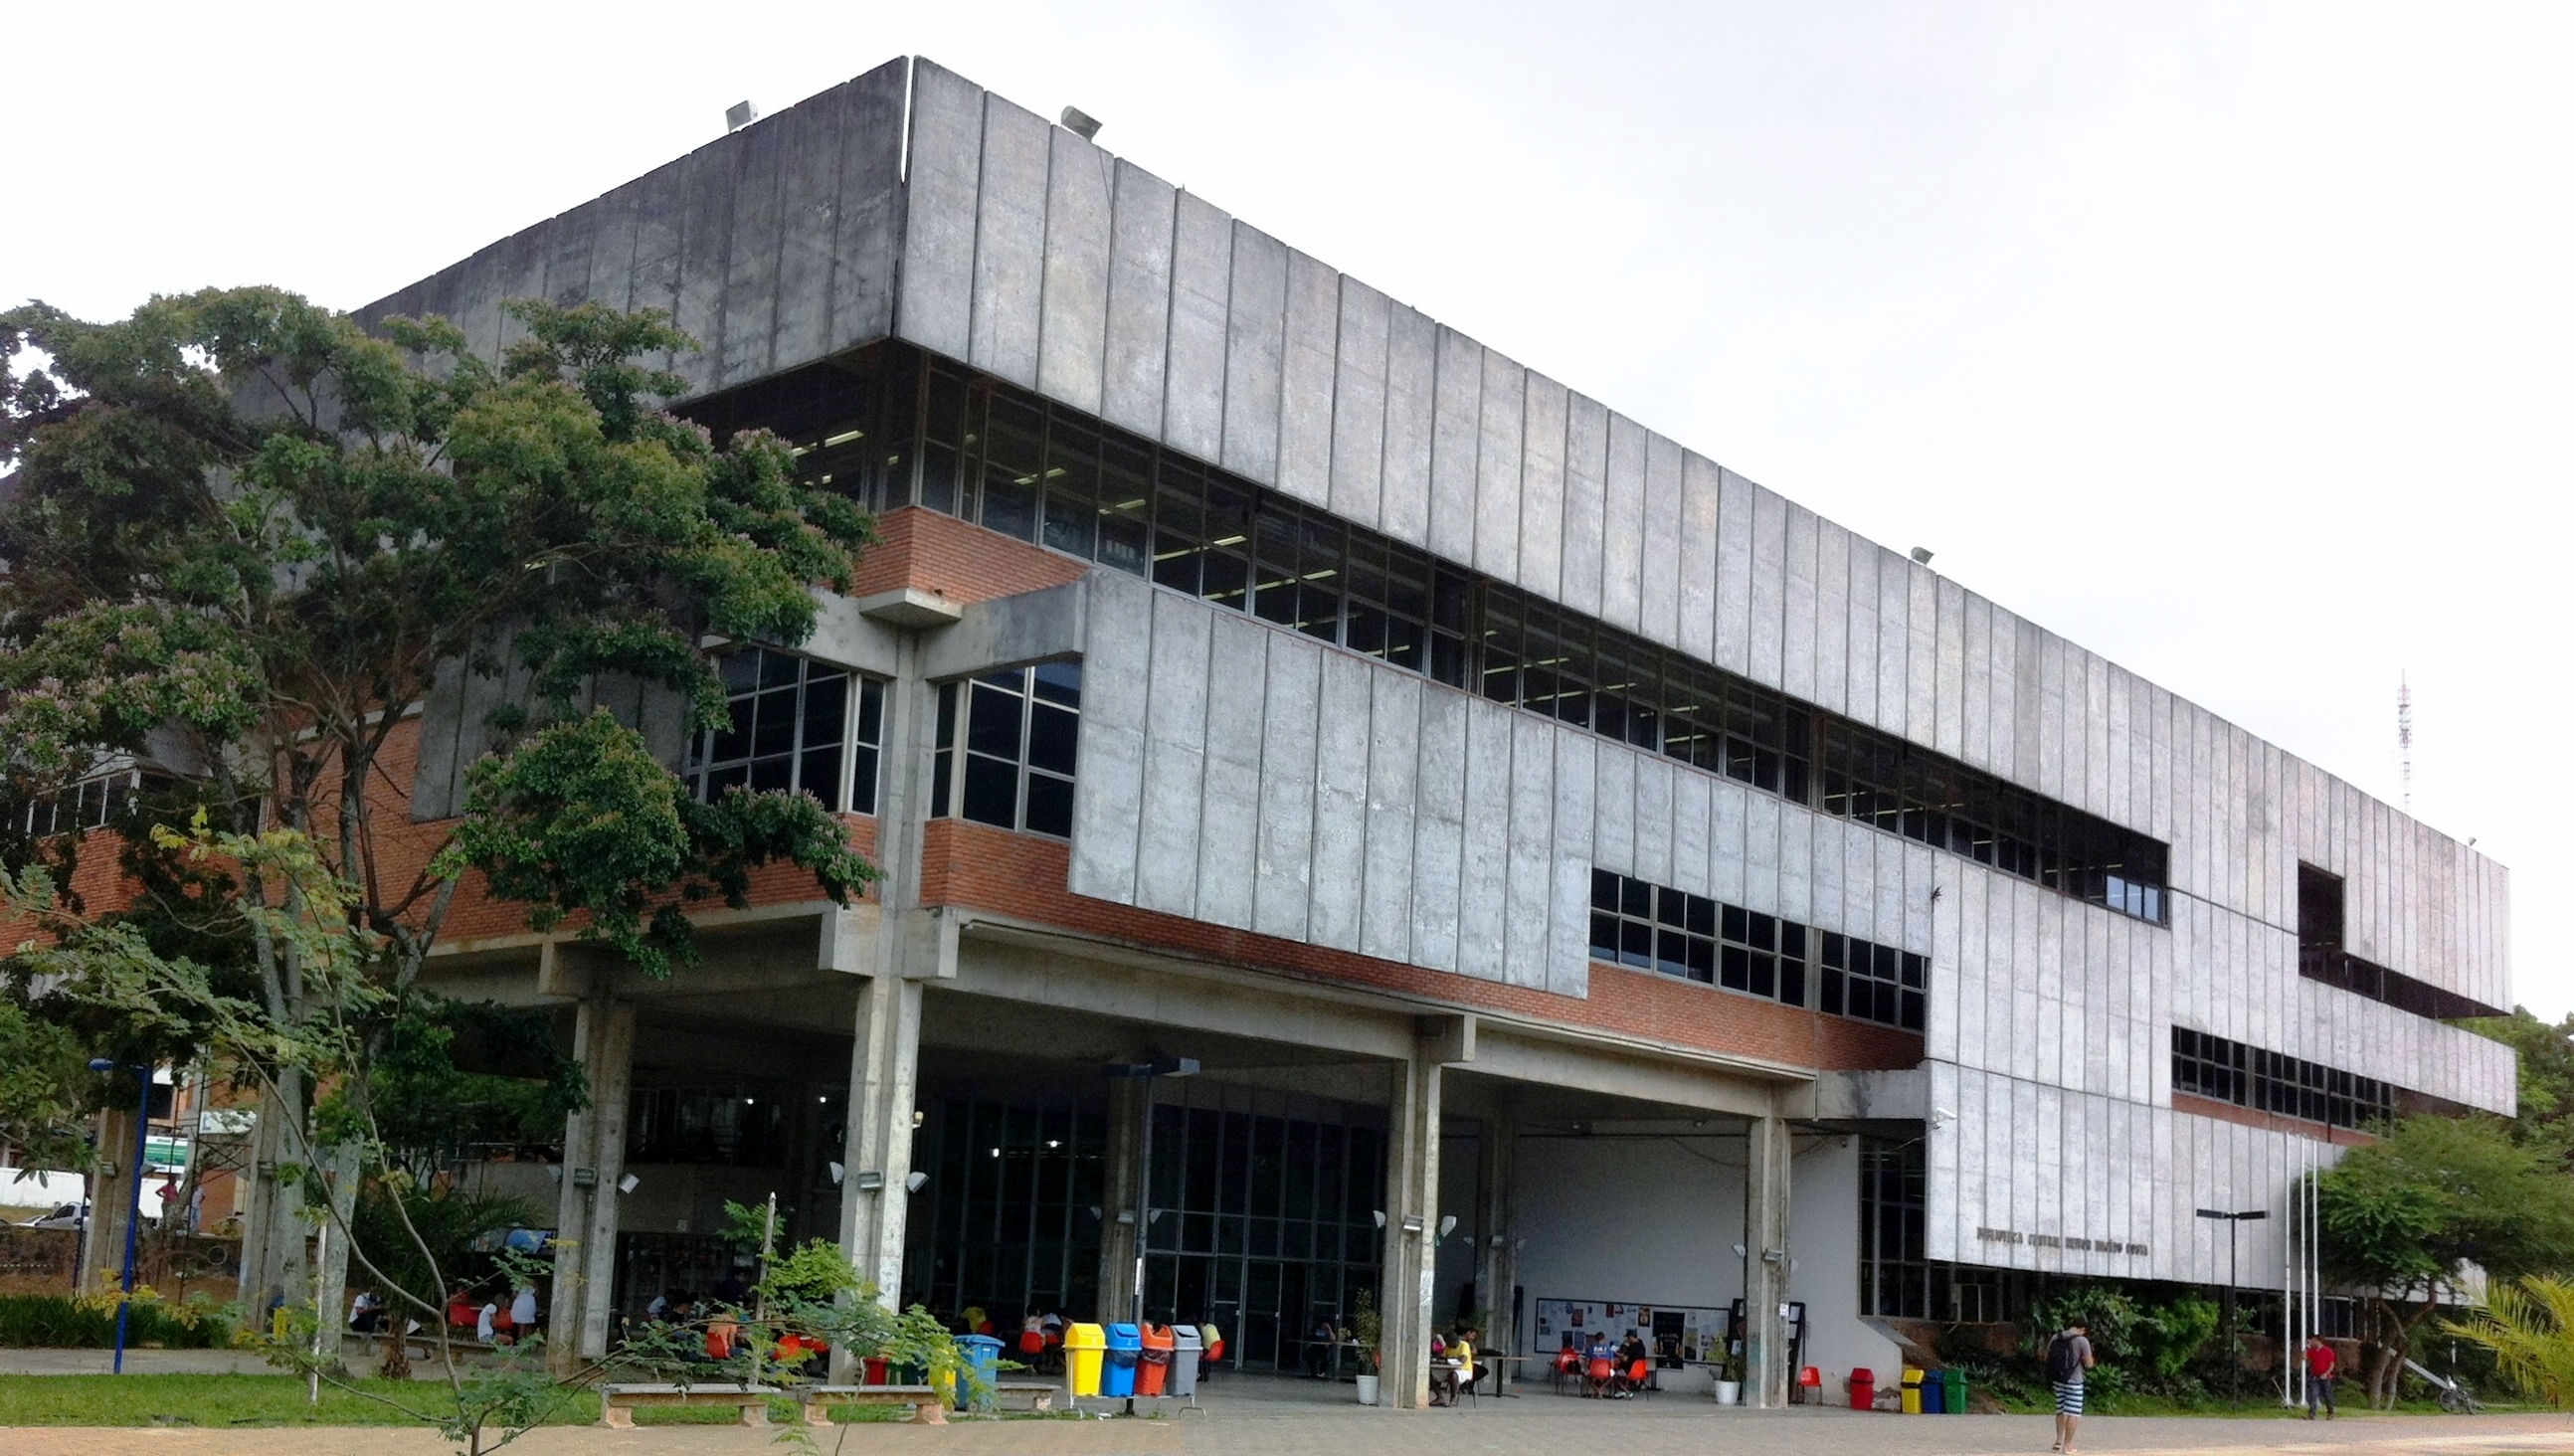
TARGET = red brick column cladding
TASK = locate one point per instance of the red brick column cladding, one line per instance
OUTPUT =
(1023, 877)
(2198, 1106)
(933, 552)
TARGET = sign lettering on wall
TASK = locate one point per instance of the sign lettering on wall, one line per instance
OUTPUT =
(2060, 1241)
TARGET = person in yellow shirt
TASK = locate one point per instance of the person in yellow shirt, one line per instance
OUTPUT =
(1459, 1373)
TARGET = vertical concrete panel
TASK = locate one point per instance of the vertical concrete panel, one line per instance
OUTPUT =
(1009, 243)
(1411, 423)
(1861, 654)
(1796, 671)
(568, 243)
(1796, 862)
(2095, 734)
(706, 236)
(1393, 766)
(1502, 419)
(1921, 648)
(1438, 831)
(1528, 897)
(658, 212)
(1692, 818)
(867, 225)
(1484, 881)
(1760, 855)
(1948, 661)
(749, 306)
(1702, 491)
(611, 276)
(1358, 403)
(1108, 794)
(1340, 802)
(1621, 530)
(1659, 596)
(1229, 817)
(1138, 332)
(1613, 811)
(808, 212)
(1586, 468)
(1769, 587)
(1255, 355)
(1305, 407)
(1894, 640)
(1569, 927)
(1193, 400)
(1734, 573)
(1283, 874)
(944, 176)
(1166, 868)
(1832, 617)
(1975, 676)
(1541, 489)
(1456, 431)
(522, 274)
(1079, 235)
(1652, 775)
(1729, 805)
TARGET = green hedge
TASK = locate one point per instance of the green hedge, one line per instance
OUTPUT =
(51, 1321)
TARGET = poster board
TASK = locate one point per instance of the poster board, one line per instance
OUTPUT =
(1685, 1331)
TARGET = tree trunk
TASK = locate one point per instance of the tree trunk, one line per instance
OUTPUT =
(331, 1279)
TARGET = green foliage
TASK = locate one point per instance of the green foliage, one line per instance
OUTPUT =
(2529, 1326)
(57, 1322)
(2170, 1337)
(2437, 1193)
(456, 1075)
(221, 1403)
(426, 1241)
(2545, 1122)
(43, 1073)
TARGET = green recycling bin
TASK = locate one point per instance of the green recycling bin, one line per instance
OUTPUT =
(1954, 1381)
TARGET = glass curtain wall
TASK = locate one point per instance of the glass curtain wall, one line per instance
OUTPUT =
(1013, 1220)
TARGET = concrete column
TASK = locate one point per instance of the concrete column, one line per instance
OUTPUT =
(273, 1261)
(1497, 1262)
(1411, 1219)
(586, 1212)
(1129, 1103)
(885, 1080)
(339, 1167)
(111, 1193)
(1764, 1262)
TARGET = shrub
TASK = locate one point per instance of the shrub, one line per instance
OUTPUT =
(52, 1321)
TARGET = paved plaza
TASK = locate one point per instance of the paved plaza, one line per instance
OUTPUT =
(1253, 1416)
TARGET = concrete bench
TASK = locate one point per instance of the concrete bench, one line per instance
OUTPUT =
(1029, 1395)
(617, 1403)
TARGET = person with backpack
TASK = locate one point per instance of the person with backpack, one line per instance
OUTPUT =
(2068, 1354)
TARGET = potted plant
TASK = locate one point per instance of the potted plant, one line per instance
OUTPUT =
(1368, 1329)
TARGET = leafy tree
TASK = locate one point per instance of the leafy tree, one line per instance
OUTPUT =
(2545, 1123)
(42, 1075)
(2528, 1324)
(2404, 1217)
(243, 536)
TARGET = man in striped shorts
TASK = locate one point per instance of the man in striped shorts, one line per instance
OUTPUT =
(2067, 1356)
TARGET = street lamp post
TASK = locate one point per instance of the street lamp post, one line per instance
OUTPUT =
(134, 1201)
(2234, 1357)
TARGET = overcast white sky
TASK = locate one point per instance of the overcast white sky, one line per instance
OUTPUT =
(2230, 340)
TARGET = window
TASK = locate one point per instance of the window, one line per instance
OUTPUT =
(2269, 1082)
(1039, 472)
(2320, 957)
(792, 727)
(1007, 745)
(1690, 937)
(1895, 1278)
(87, 804)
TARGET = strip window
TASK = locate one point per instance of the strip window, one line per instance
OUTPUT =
(1692, 937)
(86, 803)
(2269, 1082)
(1016, 464)
(792, 727)
(1006, 749)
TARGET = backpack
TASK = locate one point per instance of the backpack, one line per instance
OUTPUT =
(2064, 1364)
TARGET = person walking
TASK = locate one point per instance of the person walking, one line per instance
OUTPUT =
(2321, 1364)
(2068, 1354)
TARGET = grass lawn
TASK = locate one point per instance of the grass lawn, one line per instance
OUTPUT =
(212, 1401)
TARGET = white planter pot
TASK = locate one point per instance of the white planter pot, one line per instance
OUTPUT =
(1367, 1390)
(1728, 1392)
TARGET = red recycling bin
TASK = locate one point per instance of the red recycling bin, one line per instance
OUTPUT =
(876, 1369)
(1862, 1383)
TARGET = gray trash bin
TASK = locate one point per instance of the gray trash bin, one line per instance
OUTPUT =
(1186, 1349)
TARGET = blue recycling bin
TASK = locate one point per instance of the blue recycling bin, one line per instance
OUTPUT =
(1933, 1389)
(1125, 1347)
(982, 1370)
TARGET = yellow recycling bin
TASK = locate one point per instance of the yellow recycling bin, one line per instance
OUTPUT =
(1083, 1344)
(1912, 1390)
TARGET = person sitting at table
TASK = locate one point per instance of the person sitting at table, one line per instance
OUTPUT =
(1634, 1367)
(1598, 1369)
(1318, 1347)
(1458, 1373)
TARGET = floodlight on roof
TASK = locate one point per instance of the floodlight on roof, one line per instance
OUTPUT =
(738, 115)
(1922, 555)
(1080, 122)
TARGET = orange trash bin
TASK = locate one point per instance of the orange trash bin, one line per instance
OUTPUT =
(1155, 1359)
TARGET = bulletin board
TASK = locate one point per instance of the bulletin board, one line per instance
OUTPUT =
(1701, 1329)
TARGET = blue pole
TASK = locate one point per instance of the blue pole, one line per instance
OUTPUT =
(134, 1205)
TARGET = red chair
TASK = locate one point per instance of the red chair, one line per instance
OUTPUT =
(1568, 1362)
(1640, 1374)
(1600, 1373)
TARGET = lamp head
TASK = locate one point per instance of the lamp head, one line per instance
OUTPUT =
(100, 1064)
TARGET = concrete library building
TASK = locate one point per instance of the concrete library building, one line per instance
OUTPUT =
(1362, 822)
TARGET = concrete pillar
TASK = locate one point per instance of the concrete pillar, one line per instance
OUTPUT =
(338, 1166)
(274, 1265)
(885, 1080)
(111, 1193)
(1129, 1103)
(1765, 1263)
(1497, 1262)
(1410, 1221)
(586, 1212)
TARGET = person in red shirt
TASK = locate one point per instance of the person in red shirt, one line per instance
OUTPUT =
(2320, 1363)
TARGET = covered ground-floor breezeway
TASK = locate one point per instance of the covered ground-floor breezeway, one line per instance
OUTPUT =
(1039, 1121)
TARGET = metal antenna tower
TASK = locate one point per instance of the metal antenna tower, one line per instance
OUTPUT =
(2404, 738)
